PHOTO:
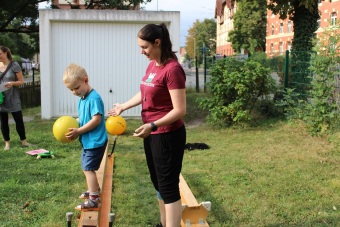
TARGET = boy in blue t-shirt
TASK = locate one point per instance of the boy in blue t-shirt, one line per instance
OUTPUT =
(92, 132)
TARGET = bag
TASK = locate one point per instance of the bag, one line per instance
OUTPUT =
(2, 97)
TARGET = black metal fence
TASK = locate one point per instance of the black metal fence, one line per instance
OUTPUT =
(293, 70)
(30, 94)
(297, 73)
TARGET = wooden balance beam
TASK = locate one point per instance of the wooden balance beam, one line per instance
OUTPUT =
(104, 175)
(193, 213)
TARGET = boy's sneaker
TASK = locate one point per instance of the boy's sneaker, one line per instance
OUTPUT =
(86, 195)
(89, 204)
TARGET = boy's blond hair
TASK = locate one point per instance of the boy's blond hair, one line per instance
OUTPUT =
(74, 73)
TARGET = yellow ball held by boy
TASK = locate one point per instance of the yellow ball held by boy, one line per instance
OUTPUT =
(61, 127)
(115, 125)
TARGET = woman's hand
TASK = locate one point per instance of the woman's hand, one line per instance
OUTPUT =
(143, 131)
(116, 110)
(9, 84)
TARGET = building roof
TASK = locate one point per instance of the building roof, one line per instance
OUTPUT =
(219, 7)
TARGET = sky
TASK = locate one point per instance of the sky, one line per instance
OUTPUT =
(191, 10)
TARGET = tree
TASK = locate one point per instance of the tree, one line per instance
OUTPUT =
(249, 26)
(26, 12)
(25, 45)
(108, 4)
(304, 14)
(22, 16)
(19, 16)
(199, 35)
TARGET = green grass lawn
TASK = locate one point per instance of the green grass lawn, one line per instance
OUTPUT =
(274, 174)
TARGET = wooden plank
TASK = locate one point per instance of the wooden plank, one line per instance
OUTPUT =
(187, 197)
(195, 225)
(192, 212)
(101, 171)
(195, 215)
(91, 218)
(88, 219)
(106, 192)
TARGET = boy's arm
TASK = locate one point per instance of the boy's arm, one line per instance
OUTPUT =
(96, 119)
(75, 132)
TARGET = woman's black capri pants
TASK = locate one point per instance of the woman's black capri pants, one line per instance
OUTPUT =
(164, 155)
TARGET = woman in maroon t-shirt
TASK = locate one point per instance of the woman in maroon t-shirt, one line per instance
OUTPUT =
(163, 98)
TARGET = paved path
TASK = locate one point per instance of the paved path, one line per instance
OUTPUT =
(191, 77)
(26, 119)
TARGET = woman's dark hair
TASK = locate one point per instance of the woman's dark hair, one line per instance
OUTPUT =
(7, 51)
(151, 32)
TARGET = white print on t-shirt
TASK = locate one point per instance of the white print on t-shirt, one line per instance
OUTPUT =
(148, 84)
(150, 77)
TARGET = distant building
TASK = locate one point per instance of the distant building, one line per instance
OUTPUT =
(224, 13)
(65, 4)
(182, 53)
(279, 33)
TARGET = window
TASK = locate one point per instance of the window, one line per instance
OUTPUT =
(289, 45)
(231, 13)
(281, 48)
(272, 48)
(273, 29)
(332, 43)
(319, 23)
(65, 2)
(289, 27)
(333, 18)
(281, 27)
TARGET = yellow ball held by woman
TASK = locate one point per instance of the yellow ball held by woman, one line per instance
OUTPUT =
(115, 125)
(61, 127)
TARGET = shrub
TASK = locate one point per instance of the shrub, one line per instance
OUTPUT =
(323, 109)
(235, 87)
(320, 110)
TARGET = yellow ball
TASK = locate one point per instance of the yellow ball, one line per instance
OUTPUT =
(115, 125)
(61, 127)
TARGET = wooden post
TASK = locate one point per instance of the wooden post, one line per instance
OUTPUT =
(111, 219)
(193, 213)
(69, 218)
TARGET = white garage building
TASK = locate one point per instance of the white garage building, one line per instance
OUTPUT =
(104, 42)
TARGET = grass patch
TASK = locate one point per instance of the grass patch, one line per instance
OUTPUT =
(273, 174)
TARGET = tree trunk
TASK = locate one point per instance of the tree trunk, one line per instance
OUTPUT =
(305, 25)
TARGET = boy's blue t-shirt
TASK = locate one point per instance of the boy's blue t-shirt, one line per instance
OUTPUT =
(92, 105)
